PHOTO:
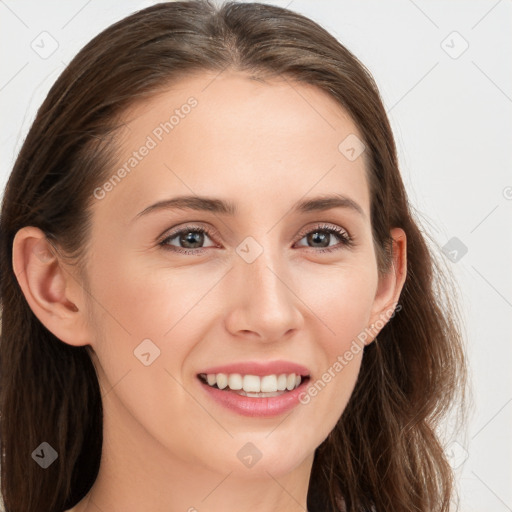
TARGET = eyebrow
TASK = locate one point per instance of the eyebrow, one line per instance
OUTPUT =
(220, 206)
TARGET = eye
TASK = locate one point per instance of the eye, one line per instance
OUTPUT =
(318, 236)
(192, 237)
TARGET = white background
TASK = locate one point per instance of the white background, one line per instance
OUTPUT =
(451, 115)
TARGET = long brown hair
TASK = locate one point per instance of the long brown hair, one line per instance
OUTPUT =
(384, 453)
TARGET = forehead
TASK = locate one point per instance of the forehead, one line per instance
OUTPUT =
(227, 134)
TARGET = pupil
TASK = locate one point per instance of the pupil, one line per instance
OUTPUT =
(323, 238)
(192, 237)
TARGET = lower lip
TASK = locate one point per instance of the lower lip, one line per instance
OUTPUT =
(260, 406)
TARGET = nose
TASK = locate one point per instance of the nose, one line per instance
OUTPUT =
(263, 306)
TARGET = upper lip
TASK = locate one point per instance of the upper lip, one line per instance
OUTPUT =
(259, 368)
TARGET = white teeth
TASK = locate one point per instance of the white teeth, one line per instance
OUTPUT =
(251, 383)
(269, 384)
(235, 381)
(281, 382)
(222, 380)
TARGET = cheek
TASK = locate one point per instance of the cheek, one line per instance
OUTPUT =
(342, 297)
(146, 302)
(147, 320)
(137, 312)
(342, 301)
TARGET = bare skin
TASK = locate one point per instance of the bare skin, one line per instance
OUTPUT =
(168, 447)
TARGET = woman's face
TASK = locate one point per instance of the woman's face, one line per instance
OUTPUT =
(256, 286)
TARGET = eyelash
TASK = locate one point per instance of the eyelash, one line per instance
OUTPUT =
(346, 241)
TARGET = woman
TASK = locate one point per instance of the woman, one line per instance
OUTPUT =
(172, 336)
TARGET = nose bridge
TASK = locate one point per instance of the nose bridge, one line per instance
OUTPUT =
(264, 300)
(264, 275)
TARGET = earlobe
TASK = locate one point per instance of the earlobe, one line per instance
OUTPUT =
(391, 285)
(48, 287)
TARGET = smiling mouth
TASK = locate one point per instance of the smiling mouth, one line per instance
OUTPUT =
(254, 386)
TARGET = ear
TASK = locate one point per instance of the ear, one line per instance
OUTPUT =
(52, 292)
(390, 285)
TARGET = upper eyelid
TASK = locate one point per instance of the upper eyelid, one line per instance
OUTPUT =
(323, 225)
(188, 227)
